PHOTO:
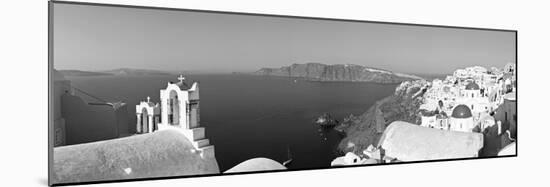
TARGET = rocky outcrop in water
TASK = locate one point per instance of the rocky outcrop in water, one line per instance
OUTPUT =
(336, 73)
(326, 120)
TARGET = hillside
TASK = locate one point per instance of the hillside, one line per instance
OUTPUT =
(116, 72)
(136, 72)
(81, 73)
(361, 131)
(336, 73)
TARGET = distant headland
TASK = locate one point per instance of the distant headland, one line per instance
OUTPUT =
(337, 73)
(116, 72)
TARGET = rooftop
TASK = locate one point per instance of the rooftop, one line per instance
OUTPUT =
(461, 111)
(256, 164)
(409, 142)
(510, 96)
(158, 154)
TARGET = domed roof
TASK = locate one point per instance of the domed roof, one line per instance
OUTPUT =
(472, 86)
(461, 111)
(256, 164)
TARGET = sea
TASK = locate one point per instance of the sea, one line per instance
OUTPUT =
(249, 116)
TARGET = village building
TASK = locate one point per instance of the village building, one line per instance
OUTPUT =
(507, 114)
(482, 91)
(510, 68)
(461, 119)
(475, 98)
(351, 159)
(485, 122)
(428, 118)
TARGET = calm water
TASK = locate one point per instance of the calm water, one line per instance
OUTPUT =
(253, 116)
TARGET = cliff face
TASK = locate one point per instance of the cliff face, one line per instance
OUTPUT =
(339, 72)
(366, 129)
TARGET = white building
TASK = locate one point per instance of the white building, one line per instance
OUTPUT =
(480, 92)
(428, 119)
(461, 119)
(486, 121)
(179, 109)
(148, 116)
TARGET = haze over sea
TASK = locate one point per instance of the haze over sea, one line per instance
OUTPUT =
(248, 116)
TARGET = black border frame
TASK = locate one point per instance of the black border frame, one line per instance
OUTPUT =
(50, 90)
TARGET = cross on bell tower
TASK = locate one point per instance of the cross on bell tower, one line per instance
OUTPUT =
(181, 78)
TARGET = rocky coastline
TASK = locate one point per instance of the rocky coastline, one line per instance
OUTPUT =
(366, 129)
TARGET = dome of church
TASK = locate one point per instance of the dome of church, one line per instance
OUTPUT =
(472, 86)
(461, 111)
(256, 164)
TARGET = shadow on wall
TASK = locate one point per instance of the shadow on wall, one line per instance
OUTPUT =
(91, 122)
(507, 114)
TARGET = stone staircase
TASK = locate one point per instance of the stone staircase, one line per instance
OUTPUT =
(197, 137)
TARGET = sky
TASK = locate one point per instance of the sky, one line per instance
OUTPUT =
(94, 38)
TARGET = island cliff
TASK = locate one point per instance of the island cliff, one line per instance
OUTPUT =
(366, 129)
(337, 73)
(116, 72)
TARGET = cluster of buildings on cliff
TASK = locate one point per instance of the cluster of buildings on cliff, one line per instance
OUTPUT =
(470, 113)
(472, 100)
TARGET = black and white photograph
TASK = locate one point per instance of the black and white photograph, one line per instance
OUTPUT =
(151, 93)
